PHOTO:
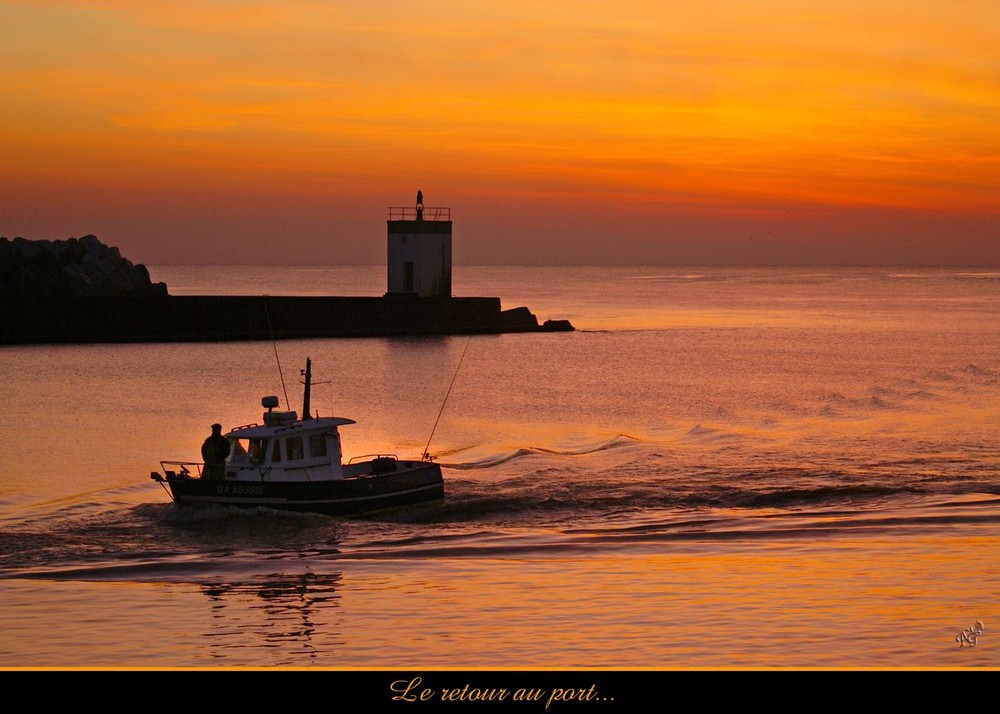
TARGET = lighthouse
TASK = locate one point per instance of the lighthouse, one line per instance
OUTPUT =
(418, 252)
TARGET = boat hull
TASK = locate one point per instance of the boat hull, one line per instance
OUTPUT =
(413, 485)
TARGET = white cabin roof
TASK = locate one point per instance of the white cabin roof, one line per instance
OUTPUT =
(307, 426)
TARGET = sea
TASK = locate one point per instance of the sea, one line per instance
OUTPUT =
(732, 468)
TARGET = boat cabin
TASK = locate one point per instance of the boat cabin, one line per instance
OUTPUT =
(284, 448)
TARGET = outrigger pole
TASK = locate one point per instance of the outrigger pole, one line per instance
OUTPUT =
(274, 344)
(159, 479)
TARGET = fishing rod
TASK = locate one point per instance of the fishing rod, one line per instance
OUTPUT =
(426, 455)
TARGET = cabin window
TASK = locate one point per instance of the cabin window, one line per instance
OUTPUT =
(317, 445)
(276, 451)
(293, 448)
(258, 447)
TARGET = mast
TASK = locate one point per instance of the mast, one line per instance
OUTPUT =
(307, 372)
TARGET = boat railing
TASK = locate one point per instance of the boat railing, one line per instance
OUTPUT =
(181, 469)
(244, 426)
(371, 457)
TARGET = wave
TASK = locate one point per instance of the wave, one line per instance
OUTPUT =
(701, 433)
(682, 278)
(978, 275)
(971, 372)
(637, 498)
(498, 459)
(807, 496)
(986, 375)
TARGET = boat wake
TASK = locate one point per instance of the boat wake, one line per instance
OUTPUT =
(294, 545)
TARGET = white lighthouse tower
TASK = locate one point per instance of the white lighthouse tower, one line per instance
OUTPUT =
(419, 251)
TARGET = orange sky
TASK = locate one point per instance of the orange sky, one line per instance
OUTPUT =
(722, 131)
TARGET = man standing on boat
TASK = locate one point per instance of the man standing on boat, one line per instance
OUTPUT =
(214, 452)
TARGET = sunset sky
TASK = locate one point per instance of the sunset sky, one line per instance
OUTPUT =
(642, 131)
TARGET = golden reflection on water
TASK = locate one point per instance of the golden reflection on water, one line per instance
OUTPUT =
(279, 611)
(843, 603)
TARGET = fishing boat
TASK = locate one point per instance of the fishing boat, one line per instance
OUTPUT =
(296, 464)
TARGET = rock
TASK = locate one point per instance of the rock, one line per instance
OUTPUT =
(518, 319)
(69, 252)
(557, 326)
(29, 249)
(75, 272)
(71, 268)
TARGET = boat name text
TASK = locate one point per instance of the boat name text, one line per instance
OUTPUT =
(239, 489)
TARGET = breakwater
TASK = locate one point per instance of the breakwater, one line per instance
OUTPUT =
(102, 318)
(81, 290)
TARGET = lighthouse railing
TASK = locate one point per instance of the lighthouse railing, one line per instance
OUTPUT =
(429, 213)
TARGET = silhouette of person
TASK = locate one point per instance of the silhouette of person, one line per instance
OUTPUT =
(214, 452)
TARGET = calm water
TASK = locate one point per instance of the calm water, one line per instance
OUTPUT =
(743, 467)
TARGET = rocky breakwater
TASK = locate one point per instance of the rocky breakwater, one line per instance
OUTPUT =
(74, 267)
